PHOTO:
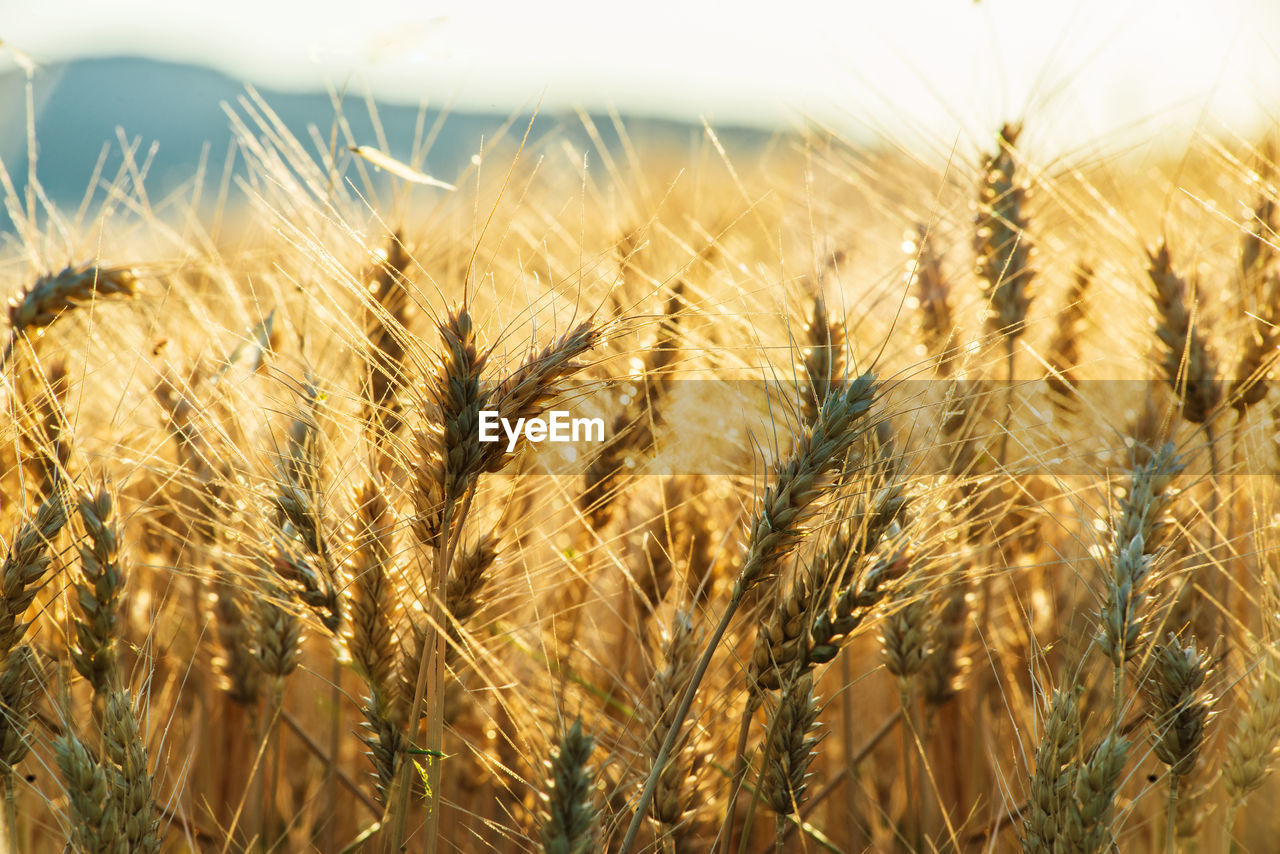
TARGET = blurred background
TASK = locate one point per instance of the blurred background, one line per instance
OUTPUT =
(936, 75)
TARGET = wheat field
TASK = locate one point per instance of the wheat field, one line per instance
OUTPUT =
(935, 507)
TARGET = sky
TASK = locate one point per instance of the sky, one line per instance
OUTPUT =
(932, 69)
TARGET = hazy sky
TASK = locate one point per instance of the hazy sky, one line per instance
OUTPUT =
(1081, 70)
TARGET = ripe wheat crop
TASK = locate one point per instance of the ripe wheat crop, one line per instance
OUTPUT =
(929, 504)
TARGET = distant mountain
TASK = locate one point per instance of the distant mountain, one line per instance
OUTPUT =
(79, 105)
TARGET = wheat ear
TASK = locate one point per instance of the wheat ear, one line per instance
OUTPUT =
(132, 783)
(791, 747)
(1064, 346)
(1087, 825)
(1252, 749)
(933, 293)
(386, 322)
(374, 612)
(1053, 784)
(52, 295)
(99, 592)
(1000, 239)
(821, 361)
(571, 818)
(1137, 530)
(1179, 711)
(95, 822)
(1189, 366)
(673, 799)
(24, 568)
(776, 527)
(20, 679)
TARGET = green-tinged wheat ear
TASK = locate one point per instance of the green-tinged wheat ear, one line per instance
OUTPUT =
(527, 391)
(99, 591)
(791, 747)
(1188, 365)
(95, 818)
(822, 360)
(1179, 706)
(1053, 784)
(1000, 239)
(777, 524)
(570, 824)
(673, 799)
(833, 627)
(786, 634)
(906, 641)
(24, 568)
(385, 328)
(1087, 828)
(277, 631)
(1252, 749)
(1137, 533)
(1064, 346)
(132, 784)
(19, 688)
(933, 291)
